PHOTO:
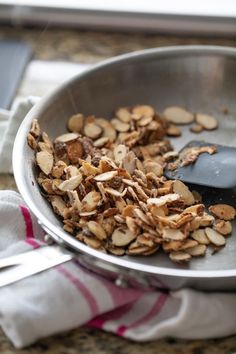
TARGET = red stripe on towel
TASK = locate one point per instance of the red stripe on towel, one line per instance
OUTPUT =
(28, 222)
(153, 312)
(98, 322)
(91, 300)
(32, 242)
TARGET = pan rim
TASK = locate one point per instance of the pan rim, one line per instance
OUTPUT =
(69, 240)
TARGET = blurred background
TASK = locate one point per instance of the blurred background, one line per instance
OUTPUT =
(38, 37)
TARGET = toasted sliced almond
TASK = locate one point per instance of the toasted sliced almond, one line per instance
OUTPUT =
(155, 167)
(75, 123)
(116, 193)
(32, 141)
(100, 142)
(124, 115)
(90, 201)
(143, 111)
(139, 214)
(35, 128)
(65, 138)
(122, 237)
(45, 161)
(199, 250)
(92, 130)
(200, 236)
(120, 126)
(106, 176)
(120, 152)
(173, 235)
(196, 128)
(129, 162)
(108, 129)
(144, 121)
(180, 256)
(182, 190)
(71, 183)
(118, 251)
(58, 204)
(88, 169)
(97, 230)
(178, 115)
(75, 151)
(168, 198)
(88, 213)
(215, 237)
(206, 121)
(223, 227)
(223, 211)
(188, 244)
(173, 130)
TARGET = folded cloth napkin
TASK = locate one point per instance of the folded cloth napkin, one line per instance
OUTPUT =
(69, 296)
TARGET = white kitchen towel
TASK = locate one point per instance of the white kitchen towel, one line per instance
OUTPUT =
(69, 296)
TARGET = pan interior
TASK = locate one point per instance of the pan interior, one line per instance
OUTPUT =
(200, 80)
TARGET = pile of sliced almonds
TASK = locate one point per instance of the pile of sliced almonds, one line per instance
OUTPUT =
(105, 180)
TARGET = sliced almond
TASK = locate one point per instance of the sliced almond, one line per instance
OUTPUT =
(75, 151)
(206, 121)
(129, 162)
(215, 237)
(90, 201)
(139, 214)
(182, 190)
(92, 130)
(198, 250)
(122, 237)
(223, 211)
(97, 230)
(75, 123)
(58, 204)
(173, 235)
(178, 115)
(196, 128)
(71, 183)
(65, 138)
(173, 130)
(124, 115)
(143, 111)
(116, 193)
(144, 121)
(120, 152)
(32, 141)
(180, 256)
(45, 161)
(168, 198)
(108, 130)
(100, 142)
(223, 227)
(200, 236)
(120, 126)
(106, 176)
(35, 130)
(155, 167)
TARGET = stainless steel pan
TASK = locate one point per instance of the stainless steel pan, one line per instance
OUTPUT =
(202, 78)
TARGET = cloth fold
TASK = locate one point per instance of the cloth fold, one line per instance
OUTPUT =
(69, 295)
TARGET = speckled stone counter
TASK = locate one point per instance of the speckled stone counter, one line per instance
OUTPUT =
(90, 47)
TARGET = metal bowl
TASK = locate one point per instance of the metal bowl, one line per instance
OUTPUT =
(201, 78)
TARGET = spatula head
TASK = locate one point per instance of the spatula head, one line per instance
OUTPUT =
(217, 170)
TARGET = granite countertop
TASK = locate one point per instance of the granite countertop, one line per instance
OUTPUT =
(90, 47)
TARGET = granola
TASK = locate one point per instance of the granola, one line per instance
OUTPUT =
(104, 179)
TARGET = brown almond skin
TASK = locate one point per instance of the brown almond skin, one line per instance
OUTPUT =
(223, 211)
